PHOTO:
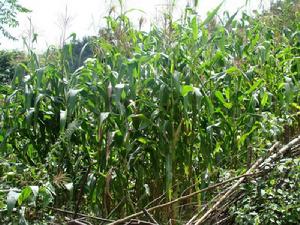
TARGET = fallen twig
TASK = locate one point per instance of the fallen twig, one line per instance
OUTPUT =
(150, 216)
(78, 222)
(224, 220)
(80, 214)
(139, 222)
(206, 206)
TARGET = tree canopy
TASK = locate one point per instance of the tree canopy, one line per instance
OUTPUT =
(9, 10)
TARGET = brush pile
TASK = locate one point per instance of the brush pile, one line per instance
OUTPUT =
(216, 211)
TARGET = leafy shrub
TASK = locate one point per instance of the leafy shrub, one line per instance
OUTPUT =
(8, 62)
(272, 201)
(24, 193)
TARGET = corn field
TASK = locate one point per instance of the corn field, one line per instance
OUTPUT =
(148, 114)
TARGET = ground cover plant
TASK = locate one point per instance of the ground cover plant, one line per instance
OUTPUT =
(148, 115)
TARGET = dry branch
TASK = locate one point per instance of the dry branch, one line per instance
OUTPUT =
(139, 222)
(261, 161)
(125, 219)
(80, 214)
(150, 216)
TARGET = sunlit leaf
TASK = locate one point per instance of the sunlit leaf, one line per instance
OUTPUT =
(186, 89)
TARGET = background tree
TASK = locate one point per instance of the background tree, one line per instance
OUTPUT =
(8, 13)
(8, 62)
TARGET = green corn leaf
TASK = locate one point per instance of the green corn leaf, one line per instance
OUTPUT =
(228, 23)
(242, 139)
(296, 106)
(72, 99)
(254, 86)
(262, 53)
(142, 140)
(220, 97)
(232, 70)
(144, 122)
(25, 194)
(185, 89)
(195, 28)
(264, 99)
(212, 14)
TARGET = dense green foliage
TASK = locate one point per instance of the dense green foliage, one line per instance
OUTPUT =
(152, 113)
(8, 62)
(276, 201)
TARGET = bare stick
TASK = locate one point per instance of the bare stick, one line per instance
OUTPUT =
(78, 222)
(154, 200)
(80, 214)
(161, 197)
(206, 205)
(223, 220)
(139, 222)
(150, 216)
(125, 219)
